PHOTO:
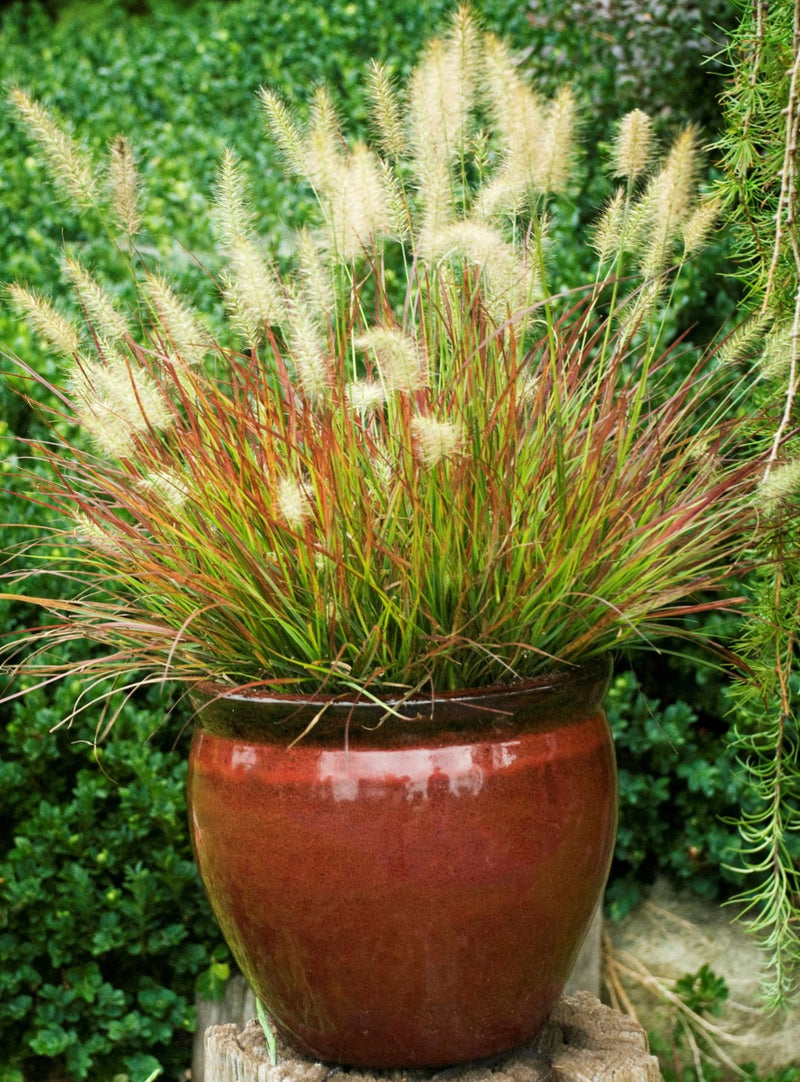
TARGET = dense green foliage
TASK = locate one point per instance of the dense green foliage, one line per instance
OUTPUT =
(182, 82)
(654, 55)
(103, 927)
(680, 794)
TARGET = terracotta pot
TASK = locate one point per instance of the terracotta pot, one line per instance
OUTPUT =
(406, 891)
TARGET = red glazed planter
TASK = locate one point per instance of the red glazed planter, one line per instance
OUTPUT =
(409, 892)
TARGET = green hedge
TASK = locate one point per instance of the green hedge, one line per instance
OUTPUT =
(681, 791)
(103, 927)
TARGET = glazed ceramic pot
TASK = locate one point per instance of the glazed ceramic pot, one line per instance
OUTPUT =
(406, 887)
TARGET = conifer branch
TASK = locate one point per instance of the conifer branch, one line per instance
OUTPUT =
(761, 146)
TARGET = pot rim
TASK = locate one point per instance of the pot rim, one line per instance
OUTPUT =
(547, 700)
(210, 691)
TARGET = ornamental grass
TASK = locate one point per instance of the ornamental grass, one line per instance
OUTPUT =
(404, 461)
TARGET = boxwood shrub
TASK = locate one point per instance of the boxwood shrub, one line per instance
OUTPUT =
(104, 929)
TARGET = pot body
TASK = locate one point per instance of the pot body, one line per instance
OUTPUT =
(406, 891)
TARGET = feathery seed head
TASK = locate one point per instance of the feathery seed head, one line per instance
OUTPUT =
(608, 234)
(501, 195)
(249, 329)
(359, 207)
(88, 532)
(740, 345)
(435, 440)
(285, 132)
(649, 235)
(508, 279)
(639, 227)
(397, 355)
(324, 145)
(537, 137)
(315, 274)
(436, 206)
(112, 439)
(654, 255)
(776, 360)
(477, 242)
(366, 396)
(166, 487)
(71, 168)
(638, 309)
(656, 217)
(528, 387)
(501, 81)
(233, 213)
(56, 331)
(115, 402)
(386, 112)
(696, 228)
(480, 150)
(124, 181)
(293, 502)
(177, 321)
(252, 290)
(780, 484)
(307, 348)
(524, 130)
(97, 303)
(558, 142)
(465, 40)
(633, 146)
(512, 285)
(673, 185)
(398, 221)
(441, 93)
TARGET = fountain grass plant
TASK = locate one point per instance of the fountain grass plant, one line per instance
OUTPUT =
(407, 463)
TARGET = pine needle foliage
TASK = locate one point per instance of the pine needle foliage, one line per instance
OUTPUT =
(389, 481)
(760, 157)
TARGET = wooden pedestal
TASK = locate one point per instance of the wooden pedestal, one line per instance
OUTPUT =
(584, 1041)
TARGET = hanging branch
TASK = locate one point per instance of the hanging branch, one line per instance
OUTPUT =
(785, 230)
(764, 101)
